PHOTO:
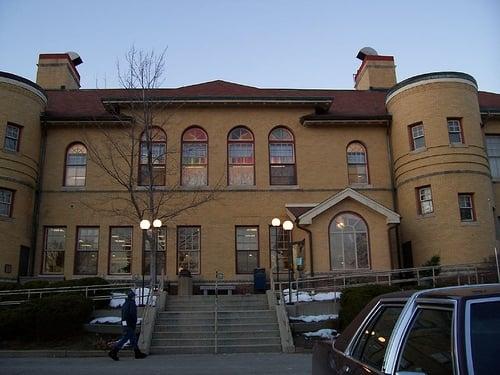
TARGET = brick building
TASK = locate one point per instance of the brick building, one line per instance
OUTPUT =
(380, 177)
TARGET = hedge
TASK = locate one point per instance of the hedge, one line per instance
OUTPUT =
(47, 318)
(354, 299)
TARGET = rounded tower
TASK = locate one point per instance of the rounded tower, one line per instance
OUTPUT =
(441, 171)
(21, 103)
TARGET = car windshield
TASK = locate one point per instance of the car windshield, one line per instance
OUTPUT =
(485, 336)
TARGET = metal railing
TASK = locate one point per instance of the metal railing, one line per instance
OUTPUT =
(18, 296)
(430, 275)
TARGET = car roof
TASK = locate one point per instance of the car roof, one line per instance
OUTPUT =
(463, 292)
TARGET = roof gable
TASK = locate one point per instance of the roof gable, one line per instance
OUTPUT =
(391, 216)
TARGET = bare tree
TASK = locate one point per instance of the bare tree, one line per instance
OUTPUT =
(132, 153)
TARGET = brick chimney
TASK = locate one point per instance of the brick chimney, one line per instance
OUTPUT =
(57, 71)
(375, 72)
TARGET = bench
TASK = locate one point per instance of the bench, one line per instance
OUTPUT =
(207, 288)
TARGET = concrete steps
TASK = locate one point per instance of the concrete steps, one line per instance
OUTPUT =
(245, 324)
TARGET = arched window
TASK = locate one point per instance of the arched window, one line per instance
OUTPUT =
(194, 157)
(76, 165)
(157, 140)
(240, 158)
(349, 246)
(282, 157)
(357, 165)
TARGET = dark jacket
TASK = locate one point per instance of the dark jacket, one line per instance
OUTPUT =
(129, 311)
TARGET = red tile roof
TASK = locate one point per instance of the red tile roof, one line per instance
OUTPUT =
(88, 103)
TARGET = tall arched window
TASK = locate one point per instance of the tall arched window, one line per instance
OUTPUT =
(357, 165)
(349, 246)
(194, 170)
(157, 140)
(76, 165)
(282, 157)
(240, 158)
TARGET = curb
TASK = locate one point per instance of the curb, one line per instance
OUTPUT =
(59, 353)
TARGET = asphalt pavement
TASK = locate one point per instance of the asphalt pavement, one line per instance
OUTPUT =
(195, 364)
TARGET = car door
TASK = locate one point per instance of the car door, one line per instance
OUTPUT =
(365, 353)
(428, 345)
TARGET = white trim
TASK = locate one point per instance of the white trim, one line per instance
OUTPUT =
(24, 86)
(391, 216)
(428, 81)
(301, 204)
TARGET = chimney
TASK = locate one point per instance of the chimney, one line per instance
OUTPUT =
(57, 71)
(375, 72)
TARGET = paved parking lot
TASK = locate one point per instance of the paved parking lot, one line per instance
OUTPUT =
(202, 364)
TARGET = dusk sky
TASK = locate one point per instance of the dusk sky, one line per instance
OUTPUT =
(263, 43)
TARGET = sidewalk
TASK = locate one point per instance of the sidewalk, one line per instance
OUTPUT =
(189, 364)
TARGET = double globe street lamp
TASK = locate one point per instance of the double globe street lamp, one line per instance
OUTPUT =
(153, 241)
(287, 227)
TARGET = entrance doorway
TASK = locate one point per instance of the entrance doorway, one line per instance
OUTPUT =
(24, 261)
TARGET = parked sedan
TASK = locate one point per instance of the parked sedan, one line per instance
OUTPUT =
(452, 330)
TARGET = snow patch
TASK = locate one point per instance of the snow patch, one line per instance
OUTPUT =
(310, 297)
(110, 320)
(325, 333)
(314, 318)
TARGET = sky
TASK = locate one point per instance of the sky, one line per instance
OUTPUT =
(262, 43)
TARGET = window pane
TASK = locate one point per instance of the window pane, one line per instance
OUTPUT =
(88, 239)
(362, 250)
(241, 153)
(357, 174)
(419, 142)
(240, 134)
(121, 239)
(455, 138)
(247, 261)
(241, 175)
(10, 144)
(160, 262)
(12, 132)
(281, 153)
(280, 134)
(120, 262)
(86, 263)
(194, 176)
(428, 346)
(75, 176)
(5, 202)
(283, 175)
(194, 153)
(485, 336)
(55, 239)
(372, 344)
(53, 262)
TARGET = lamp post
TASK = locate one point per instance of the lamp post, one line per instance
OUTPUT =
(153, 242)
(276, 223)
(287, 227)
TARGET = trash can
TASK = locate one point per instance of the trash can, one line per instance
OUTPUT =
(259, 280)
(185, 287)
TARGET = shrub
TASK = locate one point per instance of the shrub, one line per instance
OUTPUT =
(354, 299)
(35, 284)
(51, 317)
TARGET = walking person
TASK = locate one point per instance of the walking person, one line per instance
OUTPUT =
(129, 322)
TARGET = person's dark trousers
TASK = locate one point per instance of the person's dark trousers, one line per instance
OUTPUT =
(129, 334)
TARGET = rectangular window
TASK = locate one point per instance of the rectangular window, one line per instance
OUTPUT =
(417, 137)
(6, 200)
(87, 250)
(466, 205)
(493, 151)
(194, 164)
(120, 248)
(247, 249)
(279, 244)
(12, 137)
(158, 160)
(189, 248)
(54, 245)
(424, 196)
(160, 253)
(455, 131)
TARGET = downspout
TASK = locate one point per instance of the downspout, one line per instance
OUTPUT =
(309, 235)
(37, 199)
(393, 188)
